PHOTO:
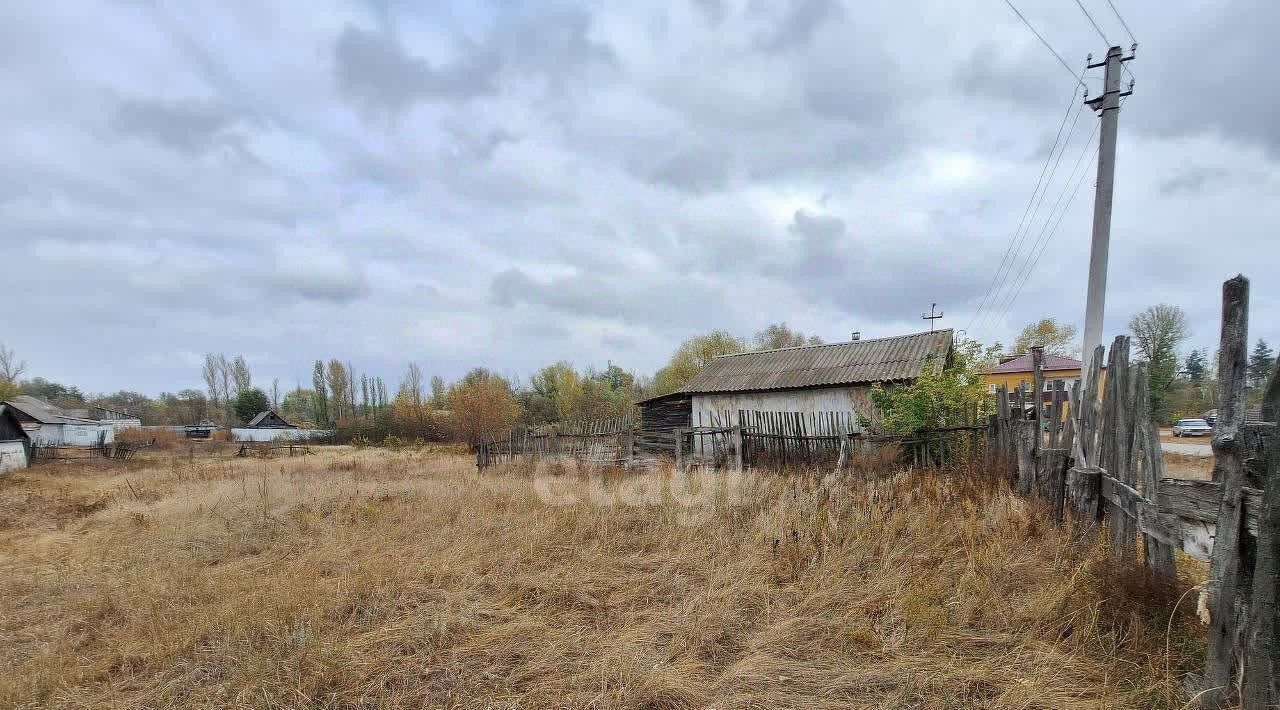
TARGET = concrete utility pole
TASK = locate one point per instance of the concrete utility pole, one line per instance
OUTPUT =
(1108, 106)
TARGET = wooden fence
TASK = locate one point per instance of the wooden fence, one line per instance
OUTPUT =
(1104, 464)
(751, 439)
(606, 441)
(62, 452)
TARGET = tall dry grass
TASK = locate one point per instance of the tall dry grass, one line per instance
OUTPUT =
(369, 579)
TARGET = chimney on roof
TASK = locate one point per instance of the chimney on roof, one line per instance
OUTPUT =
(857, 335)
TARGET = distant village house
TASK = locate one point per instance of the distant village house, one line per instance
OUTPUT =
(269, 420)
(830, 378)
(49, 425)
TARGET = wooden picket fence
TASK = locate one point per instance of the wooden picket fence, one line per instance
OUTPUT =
(1104, 464)
(738, 441)
(604, 441)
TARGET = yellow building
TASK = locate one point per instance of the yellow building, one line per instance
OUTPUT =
(1016, 371)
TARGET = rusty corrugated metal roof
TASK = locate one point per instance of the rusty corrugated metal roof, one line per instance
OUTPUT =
(1022, 363)
(856, 362)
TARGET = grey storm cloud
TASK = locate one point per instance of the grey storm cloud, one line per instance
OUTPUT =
(862, 275)
(656, 301)
(511, 184)
(798, 23)
(189, 124)
(375, 69)
(1191, 180)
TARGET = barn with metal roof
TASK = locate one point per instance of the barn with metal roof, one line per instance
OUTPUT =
(49, 425)
(833, 377)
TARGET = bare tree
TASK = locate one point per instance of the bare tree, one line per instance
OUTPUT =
(10, 367)
(211, 379)
(780, 335)
(275, 394)
(1056, 338)
(339, 395)
(438, 392)
(411, 386)
(240, 374)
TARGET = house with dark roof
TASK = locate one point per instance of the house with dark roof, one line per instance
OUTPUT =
(49, 425)
(269, 420)
(833, 377)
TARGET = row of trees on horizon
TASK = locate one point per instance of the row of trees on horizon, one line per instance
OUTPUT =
(362, 405)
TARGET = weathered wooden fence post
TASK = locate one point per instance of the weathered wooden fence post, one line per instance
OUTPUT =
(1159, 554)
(1004, 442)
(1025, 433)
(1262, 646)
(1084, 480)
(1084, 490)
(1089, 415)
(1124, 529)
(679, 442)
(1227, 569)
(736, 439)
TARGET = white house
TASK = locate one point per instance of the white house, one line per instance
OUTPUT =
(48, 425)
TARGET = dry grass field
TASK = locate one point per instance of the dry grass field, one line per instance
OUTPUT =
(377, 579)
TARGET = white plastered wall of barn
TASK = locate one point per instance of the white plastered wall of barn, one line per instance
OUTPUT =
(707, 409)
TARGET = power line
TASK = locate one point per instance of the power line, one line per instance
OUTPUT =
(1055, 156)
(1011, 274)
(1026, 210)
(1042, 241)
(1095, 24)
(1031, 269)
(1043, 41)
(1123, 24)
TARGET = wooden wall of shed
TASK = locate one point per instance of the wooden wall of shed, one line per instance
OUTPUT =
(665, 414)
(854, 400)
(10, 428)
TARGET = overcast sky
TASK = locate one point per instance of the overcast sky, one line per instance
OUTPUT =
(510, 184)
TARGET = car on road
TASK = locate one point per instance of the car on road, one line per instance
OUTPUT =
(1192, 427)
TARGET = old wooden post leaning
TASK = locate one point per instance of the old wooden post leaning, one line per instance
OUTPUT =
(737, 448)
(1085, 478)
(1226, 570)
(1124, 529)
(1159, 554)
(679, 442)
(1037, 390)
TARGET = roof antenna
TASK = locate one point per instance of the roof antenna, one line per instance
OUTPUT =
(933, 315)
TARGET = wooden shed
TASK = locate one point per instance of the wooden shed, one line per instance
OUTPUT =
(269, 420)
(829, 378)
(15, 445)
(49, 425)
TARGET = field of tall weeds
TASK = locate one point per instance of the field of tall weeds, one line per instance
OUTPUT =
(379, 579)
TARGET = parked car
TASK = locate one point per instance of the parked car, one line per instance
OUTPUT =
(1192, 427)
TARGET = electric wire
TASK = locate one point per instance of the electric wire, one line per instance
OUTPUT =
(1010, 274)
(1025, 212)
(1091, 21)
(1045, 238)
(1043, 41)
(1123, 24)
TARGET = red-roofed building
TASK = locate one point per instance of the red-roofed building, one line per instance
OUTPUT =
(1016, 371)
